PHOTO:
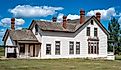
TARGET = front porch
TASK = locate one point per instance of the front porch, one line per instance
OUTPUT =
(29, 49)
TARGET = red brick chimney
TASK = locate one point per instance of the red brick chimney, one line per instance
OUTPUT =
(98, 15)
(64, 22)
(82, 16)
(54, 19)
(12, 23)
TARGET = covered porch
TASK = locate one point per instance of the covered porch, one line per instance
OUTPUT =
(29, 49)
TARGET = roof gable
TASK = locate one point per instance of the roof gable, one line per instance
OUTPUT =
(72, 25)
(20, 35)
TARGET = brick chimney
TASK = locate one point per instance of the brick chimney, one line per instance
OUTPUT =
(82, 16)
(64, 22)
(98, 15)
(54, 19)
(12, 23)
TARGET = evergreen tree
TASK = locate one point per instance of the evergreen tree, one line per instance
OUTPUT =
(114, 30)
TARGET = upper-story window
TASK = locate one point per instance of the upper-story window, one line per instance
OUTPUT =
(95, 31)
(57, 47)
(92, 22)
(88, 31)
(36, 29)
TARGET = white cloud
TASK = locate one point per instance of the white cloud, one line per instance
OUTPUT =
(45, 20)
(34, 11)
(19, 28)
(7, 21)
(72, 17)
(106, 14)
(60, 17)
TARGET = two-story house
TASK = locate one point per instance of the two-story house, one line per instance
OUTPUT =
(80, 38)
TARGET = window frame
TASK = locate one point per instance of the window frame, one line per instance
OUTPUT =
(48, 49)
(95, 32)
(77, 47)
(92, 23)
(93, 47)
(71, 47)
(36, 29)
(57, 49)
(88, 31)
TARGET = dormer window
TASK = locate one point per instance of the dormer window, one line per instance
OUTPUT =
(92, 22)
(36, 29)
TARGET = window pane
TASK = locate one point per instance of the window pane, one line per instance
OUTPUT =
(57, 47)
(71, 47)
(48, 48)
(95, 31)
(88, 31)
(77, 47)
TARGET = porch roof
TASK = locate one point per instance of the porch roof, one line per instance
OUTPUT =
(29, 42)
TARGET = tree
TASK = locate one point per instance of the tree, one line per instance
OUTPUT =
(114, 30)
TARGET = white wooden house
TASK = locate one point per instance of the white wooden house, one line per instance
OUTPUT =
(80, 38)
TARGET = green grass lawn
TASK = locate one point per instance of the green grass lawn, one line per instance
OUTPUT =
(58, 64)
(1, 51)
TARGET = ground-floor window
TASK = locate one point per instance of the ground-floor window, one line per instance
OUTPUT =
(93, 47)
(77, 47)
(71, 47)
(48, 49)
(57, 47)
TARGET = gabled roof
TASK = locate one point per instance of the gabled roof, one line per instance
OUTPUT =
(72, 25)
(20, 35)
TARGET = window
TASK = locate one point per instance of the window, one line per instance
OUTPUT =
(93, 47)
(22, 48)
(71, 47)
(92, 22)
(77, 47)
(95, 31)
(57, 47)
(48, 49)
(36, 29)
(88, 31)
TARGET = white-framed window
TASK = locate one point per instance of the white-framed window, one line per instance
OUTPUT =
(48, 49)
(95, 32)
(77, 47)
(88, 31)
(93, 47)
(71, 47)
(57, 47)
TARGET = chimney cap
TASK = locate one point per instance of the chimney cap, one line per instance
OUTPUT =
(54, 17)
(64, 17)
(82, 12)
(98, 13)
(12, 19)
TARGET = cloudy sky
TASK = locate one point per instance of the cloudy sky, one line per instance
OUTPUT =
(26, 10)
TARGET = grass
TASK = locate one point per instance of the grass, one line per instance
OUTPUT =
(1, 51)
(59, 64)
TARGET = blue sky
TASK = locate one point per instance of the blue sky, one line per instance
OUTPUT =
(26, 10)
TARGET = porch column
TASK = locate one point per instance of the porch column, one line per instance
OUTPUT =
(26, 50)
